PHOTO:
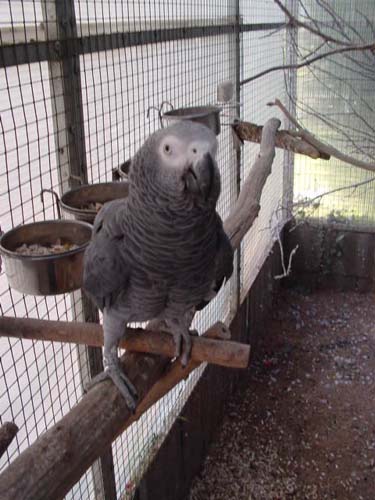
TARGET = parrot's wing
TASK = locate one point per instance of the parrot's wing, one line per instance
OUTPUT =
(224, 258)
(223, 262)
(105, 273)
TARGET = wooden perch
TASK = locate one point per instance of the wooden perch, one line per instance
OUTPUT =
(175, 373)
(247, 206)
(7, 433)
(55, 462)
(232, 354)
(285, 139)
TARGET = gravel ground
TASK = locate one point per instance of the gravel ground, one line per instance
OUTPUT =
(305, 426)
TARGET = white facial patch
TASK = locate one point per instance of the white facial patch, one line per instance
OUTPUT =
(177, 153)
(172, 151)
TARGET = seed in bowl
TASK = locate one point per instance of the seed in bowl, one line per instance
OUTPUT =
(35, 249)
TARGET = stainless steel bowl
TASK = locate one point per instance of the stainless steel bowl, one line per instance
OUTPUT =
(75, 200)
(207, 115)
(47, 274)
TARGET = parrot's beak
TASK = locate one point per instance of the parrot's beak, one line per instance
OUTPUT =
(199, 176)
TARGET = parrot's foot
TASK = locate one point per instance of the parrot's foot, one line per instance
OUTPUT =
(182, 337)
(113, 371)
(183, 345)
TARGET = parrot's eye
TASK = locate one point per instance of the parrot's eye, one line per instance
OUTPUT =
(195, 150)
(167, 149)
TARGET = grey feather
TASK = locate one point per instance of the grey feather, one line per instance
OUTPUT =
(223, 264)
(105, 270)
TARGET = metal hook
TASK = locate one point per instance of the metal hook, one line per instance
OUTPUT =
(154, 108)
(158, 110)
(161, 111)
(166, 102)
(57, 199)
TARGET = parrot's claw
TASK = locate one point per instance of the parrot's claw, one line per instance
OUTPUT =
(114, 372)
(178, 344)
(183, 346)
(123, 384)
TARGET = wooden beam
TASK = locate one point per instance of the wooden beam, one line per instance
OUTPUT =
(231, 354)
(56, 461)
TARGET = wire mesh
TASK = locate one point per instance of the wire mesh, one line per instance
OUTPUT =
(41, 381)
(335, 102)
(38, 382)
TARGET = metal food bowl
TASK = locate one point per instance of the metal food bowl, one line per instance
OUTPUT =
(206, 115)
(45, 274)
(76, 201)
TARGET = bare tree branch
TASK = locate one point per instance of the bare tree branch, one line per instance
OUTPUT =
(293, 21)
(318, 198)
(341, 50)
(321, 146)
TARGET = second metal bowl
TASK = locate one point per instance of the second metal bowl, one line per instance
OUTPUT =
(206, 115)
(45, 274)
(77, 201)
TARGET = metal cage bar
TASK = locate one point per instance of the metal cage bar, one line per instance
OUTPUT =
(55, 50)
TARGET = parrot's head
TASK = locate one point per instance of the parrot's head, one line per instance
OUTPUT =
(180, 163)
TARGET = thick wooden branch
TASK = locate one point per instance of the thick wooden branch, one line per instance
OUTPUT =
(8, 432)
(55, 462)
(231, 354)
(247, 207)
(285, 139)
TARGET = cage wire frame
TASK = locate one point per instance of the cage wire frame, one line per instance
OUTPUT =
(77, 80)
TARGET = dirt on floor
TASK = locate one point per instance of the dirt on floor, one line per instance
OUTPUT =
(305, 426)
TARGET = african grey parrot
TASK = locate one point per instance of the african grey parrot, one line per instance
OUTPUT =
(161, 253)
